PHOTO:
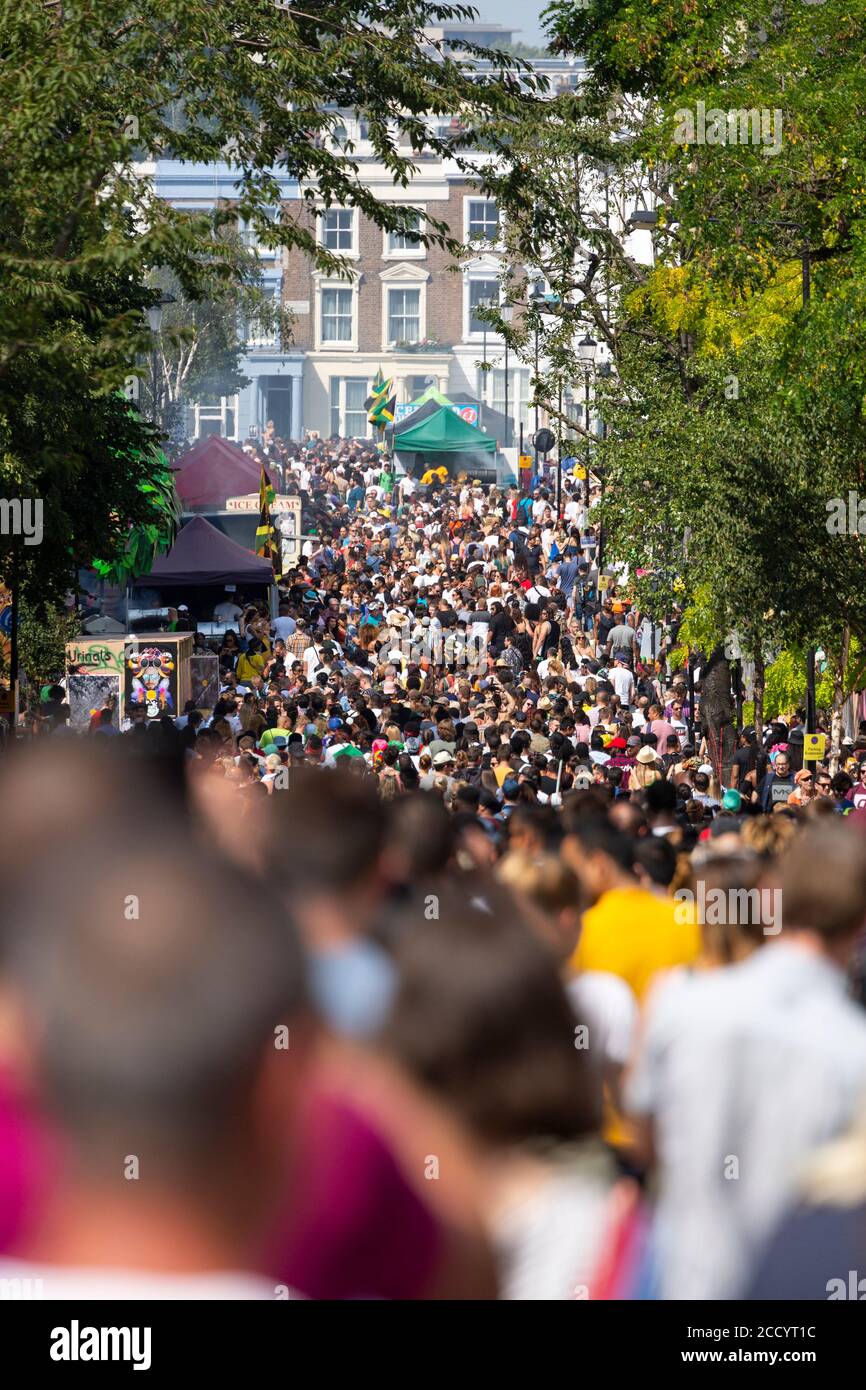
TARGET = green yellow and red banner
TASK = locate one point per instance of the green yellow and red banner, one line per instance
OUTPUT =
(381, 403)
(267, 537)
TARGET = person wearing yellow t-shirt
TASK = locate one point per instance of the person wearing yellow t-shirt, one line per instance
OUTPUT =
(435, 475)
(627, 931)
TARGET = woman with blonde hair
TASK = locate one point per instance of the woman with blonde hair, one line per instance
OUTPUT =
(440, 785)
(768, 835)
(645, 771)
(389, 784)
(555, 667)
(581, 641)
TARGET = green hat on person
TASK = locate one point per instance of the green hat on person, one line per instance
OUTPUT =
(732, 801)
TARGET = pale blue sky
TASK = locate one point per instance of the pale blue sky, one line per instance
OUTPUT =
(523, 14)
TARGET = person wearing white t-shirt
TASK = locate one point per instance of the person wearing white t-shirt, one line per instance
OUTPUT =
(312, 660)
(234, 722)
(538, 593)
(680, 728)
(479, 625)
(228, 612)
(610, 1008)
(622, 681)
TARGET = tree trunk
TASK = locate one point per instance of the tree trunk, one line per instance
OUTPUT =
(759, 690)
(836, 725)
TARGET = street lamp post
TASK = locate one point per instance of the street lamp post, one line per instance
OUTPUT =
(586, 420)
(536, 376)
(811, 699)
(484, 305)
(559, 455)
(606, 371)
(507, 314)
(568, 397)
(586, 353)
(536, 299)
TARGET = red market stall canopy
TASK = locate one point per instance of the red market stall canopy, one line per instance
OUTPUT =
(213, 470)
(444, 432)
(203, 555)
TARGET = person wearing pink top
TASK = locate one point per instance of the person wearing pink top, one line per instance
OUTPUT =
(659, 726)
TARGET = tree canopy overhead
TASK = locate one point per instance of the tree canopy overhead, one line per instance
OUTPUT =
(92, 88)
(92, 91)
(735, 416)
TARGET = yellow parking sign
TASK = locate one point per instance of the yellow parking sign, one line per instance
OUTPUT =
(814, 747)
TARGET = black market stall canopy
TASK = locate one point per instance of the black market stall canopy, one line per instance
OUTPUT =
(202, 555)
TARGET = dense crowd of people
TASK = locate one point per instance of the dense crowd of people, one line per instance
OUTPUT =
(442, 957)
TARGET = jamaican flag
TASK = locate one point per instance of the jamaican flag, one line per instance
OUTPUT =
(384, 415)
(380, 403)
(379, 390)
(267, 536)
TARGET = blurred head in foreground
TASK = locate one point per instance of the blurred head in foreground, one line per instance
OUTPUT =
(157, 1001)
(481, 1017)
(323, 841)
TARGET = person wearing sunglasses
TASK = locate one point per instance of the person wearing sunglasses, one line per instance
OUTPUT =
(804, 788)
(824, 785)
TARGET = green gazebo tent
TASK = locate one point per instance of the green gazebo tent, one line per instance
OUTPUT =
(443, 432)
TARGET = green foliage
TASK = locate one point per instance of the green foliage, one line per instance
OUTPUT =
(85, 455)
(700, 629)
(153, 535)
(43, 632)
(785, 688)
(734, 416)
